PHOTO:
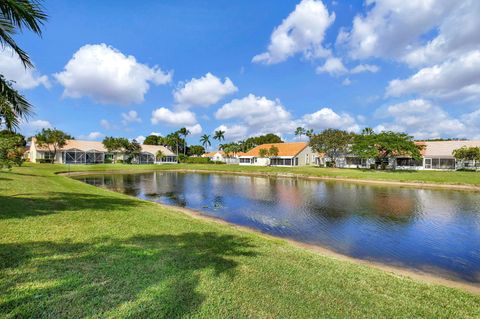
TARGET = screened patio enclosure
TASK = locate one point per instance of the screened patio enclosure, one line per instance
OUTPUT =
(75, 156)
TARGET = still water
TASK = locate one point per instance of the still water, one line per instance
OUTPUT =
(437, 231)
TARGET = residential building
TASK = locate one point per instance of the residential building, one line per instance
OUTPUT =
(436, 155)
(92, 152)
(221, 156)
(289, 154)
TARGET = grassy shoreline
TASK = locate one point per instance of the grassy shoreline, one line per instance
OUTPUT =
(71, 250)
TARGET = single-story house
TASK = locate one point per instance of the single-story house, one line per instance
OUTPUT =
(289, 154)
(92, 152)
(436, 155)
(221, 156)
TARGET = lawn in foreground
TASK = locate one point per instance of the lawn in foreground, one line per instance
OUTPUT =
(68, 249)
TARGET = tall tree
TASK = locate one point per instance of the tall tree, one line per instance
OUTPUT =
(173, 140)
(205, 140)
(273, 151)
(331, 142)
(53, 139)
(385, 145)
(15, 16)
(196, 150)
(184, 132)
(152, 140)
(300, 131)
(219, 135)
(12, 149)
(115, 145)
(467, 154)
(132, 150)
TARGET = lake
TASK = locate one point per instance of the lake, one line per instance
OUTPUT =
(435, 231)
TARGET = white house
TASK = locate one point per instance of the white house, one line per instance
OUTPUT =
(221, 156)
(92, 152)
(436, 155)
(289, 154)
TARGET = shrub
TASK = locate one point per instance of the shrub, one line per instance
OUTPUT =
(198, 160)
(120, 161)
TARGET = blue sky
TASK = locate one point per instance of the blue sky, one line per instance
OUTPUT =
(107, 68)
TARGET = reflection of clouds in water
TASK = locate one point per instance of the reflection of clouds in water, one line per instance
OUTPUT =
(417, 227)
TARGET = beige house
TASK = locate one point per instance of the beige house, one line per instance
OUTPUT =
(289, 154)
(92, 152)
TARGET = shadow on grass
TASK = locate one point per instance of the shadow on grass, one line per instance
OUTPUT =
(147, 276)
(34, 204)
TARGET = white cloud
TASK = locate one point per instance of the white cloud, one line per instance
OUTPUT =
(423, 119)
(92, 136)
(156, 133)
(258, 114)
(364, 68)
(13, 70)
(333, 66)
(140, 139)
(164, 115)
(391, 28)
(108, 76)
(457, 34)
(204, 91)
(195, 129)
(233, 132)
(130, 117)
(327, 118)
(458, 78)
(303, 31)
(346, 82)
(33, 127)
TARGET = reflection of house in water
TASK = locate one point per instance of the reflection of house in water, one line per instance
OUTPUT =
(394, 205)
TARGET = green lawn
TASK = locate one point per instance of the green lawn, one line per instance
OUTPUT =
(72, 250)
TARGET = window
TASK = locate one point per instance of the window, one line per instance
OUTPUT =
(245, 160)
(355, 161)
(443, 163)
(282, 161)
(48, 155)
(409, 162)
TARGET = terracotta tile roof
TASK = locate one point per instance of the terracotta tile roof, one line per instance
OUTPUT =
(284, 149)
(211, 154)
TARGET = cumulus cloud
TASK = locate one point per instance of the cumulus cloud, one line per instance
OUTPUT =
(423, 119)
(459, 78)
(92, 136)
(327, 118)
(333, 66)
(106, 75)
(140, 139)
(195, 129)
(130, 117)
(106, 124)
(391, 28)
(303, 31)
(204, 91)
(179, 118)
(33, 127)
(233, 132)
(13, 70)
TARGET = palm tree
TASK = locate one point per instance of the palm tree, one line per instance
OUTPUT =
(159, 155)
(205, 140)
(219, 135)
(309, 133)
(367, 131)
(15, 16)
(300, 131)
(184, 131)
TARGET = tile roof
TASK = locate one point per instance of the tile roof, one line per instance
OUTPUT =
(98, 146)
(445, 148)
(284, 149)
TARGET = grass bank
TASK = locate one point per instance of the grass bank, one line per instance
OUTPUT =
(72, 250)
(435, 177)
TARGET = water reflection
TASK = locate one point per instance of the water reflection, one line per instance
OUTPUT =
(432, 230)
